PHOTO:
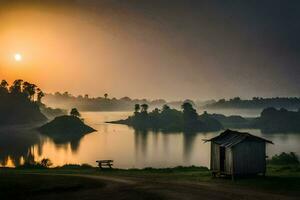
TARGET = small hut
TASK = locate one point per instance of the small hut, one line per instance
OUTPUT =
(235, 153)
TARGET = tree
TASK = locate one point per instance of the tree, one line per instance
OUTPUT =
(144, 108)
(29, 89)
(137, 108)
(187, 106)
(105, 95)
(165, 107)
(66, 94)
(74, 112)
(46, 162)
(40, 94)
(156, 112)
(25, 88)
(190, 116)
(4, 86)
(16, 87)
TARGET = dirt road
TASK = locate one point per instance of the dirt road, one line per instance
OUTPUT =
(139, 188)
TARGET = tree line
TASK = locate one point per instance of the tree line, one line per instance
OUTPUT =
(22, 88)
(20, 103)
(257, 103)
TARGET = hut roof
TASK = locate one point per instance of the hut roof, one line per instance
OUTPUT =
(230, 138)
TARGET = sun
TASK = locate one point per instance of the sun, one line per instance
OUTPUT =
(18, 57)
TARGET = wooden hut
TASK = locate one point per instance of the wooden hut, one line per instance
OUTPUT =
(235, 153)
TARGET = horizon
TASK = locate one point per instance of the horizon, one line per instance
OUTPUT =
(172, 100)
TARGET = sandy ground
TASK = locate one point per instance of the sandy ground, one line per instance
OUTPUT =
(139, 188)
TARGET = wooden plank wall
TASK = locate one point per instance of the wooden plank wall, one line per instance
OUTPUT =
(228, 161)
(249, 157)
(215, 157)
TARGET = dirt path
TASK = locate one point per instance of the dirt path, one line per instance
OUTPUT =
(173, 190)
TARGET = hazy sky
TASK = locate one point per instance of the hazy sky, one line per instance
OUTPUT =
(154, 49)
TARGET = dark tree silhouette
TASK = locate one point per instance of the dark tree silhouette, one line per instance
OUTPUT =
(290, 103)
(137, 108)
(40, 94)
(16, 87)
(46, 162)
(4, 86)
(169, 119)
(105, 95)
(17, 103)
(29, 90)
(144, 108)
(190, 116)
(74, 112)
(166, 107)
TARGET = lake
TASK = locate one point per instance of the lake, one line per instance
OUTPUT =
(127, 147)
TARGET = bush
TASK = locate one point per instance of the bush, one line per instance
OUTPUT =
(76, 166)
(284, 158)
(86, 166)
(46, 162)
(28, 165)
(43, 164)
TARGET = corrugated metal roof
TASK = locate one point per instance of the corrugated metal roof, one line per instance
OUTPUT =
(230, 138)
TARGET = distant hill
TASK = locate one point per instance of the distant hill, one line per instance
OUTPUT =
(271, 120)
(255, 103)
(106, 103)
(233, 121)
(278, 120)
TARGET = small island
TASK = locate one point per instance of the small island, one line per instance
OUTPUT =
(168, 119)
(271, 120)
(66, 125)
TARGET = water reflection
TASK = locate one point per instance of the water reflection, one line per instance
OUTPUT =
(24, 144)
(147, 144)
(188, 143)
(126, 146)
(154, 148)
(61, 140)
(16, 145)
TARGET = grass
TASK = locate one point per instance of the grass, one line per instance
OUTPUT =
(179, 173)
(279, 179)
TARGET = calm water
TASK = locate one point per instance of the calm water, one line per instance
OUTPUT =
(127, 147)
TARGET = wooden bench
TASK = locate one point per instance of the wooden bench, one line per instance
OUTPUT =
(105, 163)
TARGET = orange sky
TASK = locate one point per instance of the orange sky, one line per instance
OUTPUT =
(66, 49)
(56, 49)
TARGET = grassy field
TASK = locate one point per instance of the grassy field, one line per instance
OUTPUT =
(70, 182)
